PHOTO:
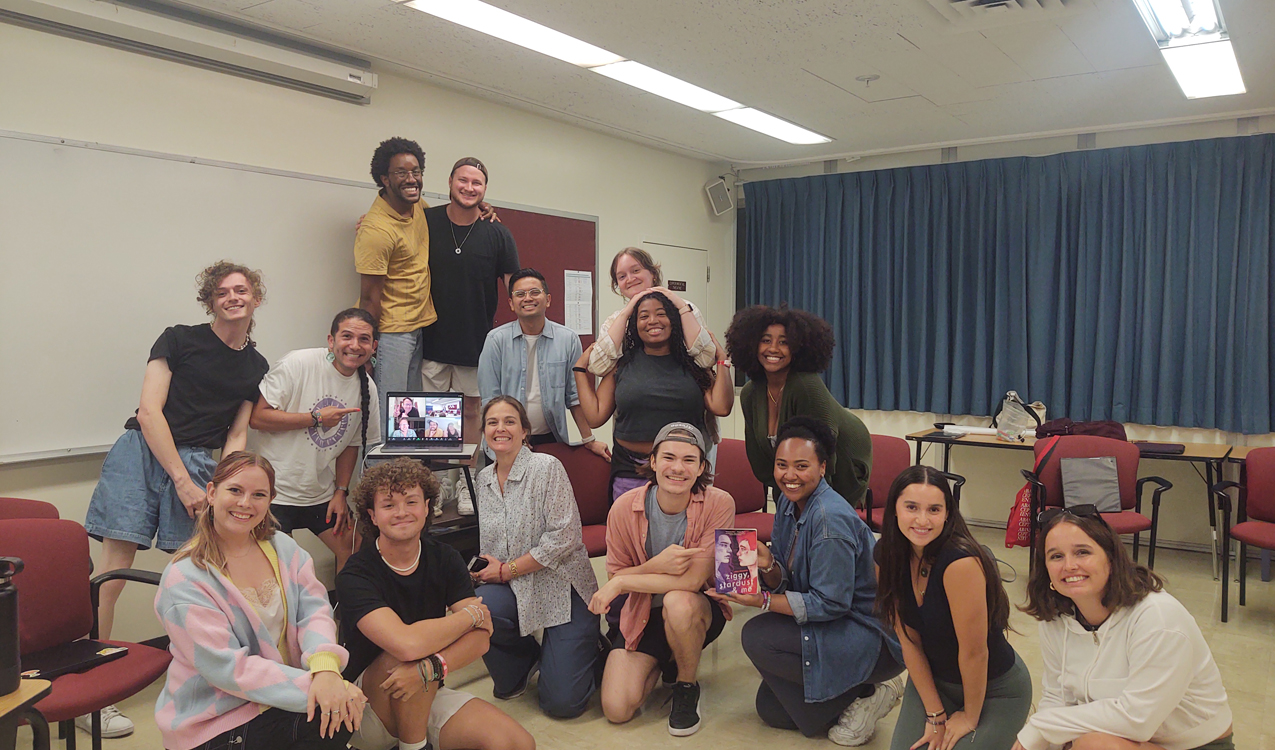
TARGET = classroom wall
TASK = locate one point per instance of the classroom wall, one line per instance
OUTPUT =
(83, 91)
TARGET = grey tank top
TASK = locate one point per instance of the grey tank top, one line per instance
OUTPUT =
(651, 392)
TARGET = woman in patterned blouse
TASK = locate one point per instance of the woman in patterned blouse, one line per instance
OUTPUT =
(536, 572)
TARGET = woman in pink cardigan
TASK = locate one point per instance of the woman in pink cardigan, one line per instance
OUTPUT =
(255, 661)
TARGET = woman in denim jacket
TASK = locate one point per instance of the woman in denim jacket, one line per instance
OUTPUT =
(827, 664)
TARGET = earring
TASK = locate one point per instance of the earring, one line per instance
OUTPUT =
(1051, 587)
(330, 356)
(373, 360)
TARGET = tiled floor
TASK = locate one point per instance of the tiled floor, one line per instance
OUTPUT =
(1243, 649)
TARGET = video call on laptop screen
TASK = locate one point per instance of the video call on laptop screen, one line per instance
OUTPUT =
(424, 418)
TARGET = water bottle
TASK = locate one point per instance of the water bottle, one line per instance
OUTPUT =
(10, 658)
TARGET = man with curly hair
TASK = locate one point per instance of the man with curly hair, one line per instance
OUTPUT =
(391, 254)
(782, 352)
(197, 395)
(409, 616)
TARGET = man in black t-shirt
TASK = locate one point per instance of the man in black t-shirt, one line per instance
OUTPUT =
(466, 257)
(197, 395)
(409, 616)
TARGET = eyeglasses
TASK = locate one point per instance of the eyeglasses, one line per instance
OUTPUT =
(1087, 510)
(525, 293)
(400, 174)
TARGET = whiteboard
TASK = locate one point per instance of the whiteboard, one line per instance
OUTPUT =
(100, 247)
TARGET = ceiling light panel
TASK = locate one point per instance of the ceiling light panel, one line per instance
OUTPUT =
(653, 81)
(504, 25)
(772, 126)
(1205, 70)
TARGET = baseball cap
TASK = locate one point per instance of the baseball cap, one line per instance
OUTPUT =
(682, 432)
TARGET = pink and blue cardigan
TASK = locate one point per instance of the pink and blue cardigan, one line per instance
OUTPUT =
(226, 669)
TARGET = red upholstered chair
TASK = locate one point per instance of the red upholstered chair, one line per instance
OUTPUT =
(890, 456)
(1255, 516)
(734, 475)
(17, 507)
(1047, 489)
(57, 603)
(590, 476)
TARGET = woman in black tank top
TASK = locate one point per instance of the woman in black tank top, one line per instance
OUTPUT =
(941, 592)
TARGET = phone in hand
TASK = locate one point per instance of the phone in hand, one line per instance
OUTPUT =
(477, 563)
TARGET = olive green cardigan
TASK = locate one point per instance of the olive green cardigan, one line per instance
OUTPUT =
(806, 395)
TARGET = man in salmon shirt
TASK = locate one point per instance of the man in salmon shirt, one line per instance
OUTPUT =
(660, 554)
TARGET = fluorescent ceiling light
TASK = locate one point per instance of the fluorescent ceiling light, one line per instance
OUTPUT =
(651, 80)
(504, 25)
(490, 20)
(1205, 70)
(772, 126)
(1171, 20)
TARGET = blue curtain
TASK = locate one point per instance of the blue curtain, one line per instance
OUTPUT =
(1131, 284)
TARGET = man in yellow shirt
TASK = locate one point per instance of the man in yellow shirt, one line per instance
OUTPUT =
(391, 254)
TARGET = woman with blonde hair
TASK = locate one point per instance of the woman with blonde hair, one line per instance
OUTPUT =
(255, 659)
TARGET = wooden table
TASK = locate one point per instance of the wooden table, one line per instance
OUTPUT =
(19, 706)
(1211, 455)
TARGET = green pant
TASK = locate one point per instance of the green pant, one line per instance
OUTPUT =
(1005, 708)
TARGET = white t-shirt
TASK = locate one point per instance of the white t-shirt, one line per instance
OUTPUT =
(305, 460)
(535, 404)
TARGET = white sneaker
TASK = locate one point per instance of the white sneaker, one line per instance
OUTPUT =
(859, 721)
(464, 503)
(114, 723)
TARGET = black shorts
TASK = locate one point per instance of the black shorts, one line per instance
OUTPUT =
(312, 517)
(654, 642)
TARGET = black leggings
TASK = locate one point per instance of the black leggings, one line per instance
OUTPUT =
(277, 729)
(773, 643)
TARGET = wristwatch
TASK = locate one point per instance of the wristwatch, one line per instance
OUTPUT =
(314, 414)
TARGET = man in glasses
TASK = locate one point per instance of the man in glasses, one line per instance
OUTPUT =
(531, 359)
(391, 254)
(469, 256)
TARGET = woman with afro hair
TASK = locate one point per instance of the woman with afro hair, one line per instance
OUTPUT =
(782, 352)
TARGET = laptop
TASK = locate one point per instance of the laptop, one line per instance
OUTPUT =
(423, 423)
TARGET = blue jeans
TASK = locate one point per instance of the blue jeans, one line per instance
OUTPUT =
(567, 654)
(398, 362)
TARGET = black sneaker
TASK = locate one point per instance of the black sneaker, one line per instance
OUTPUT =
(521, 687)
(683, 720)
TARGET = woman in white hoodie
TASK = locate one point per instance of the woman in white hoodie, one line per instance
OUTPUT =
(1125, 665)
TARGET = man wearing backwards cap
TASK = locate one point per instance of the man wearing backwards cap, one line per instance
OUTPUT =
(660, 554)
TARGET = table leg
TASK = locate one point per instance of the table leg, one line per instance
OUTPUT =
(918, 454)
(39, 728)
(947, 457)
(1211, 478)
(469, 480)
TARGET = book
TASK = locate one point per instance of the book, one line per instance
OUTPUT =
(76, 656)
(735, 553)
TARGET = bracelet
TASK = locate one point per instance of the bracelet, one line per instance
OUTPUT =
(936, 722)
(586, 441)
(584, 370)
(773, 563)
(725, 362)
(473, 619)
(420, 667)
(443, 662)
(346, 490)
(934, 715)
(436, 667)
(513, 570)
(683, 310)
(765, 601)
(476, 615)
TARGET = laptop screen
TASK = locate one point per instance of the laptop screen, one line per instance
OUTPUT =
(424, 419)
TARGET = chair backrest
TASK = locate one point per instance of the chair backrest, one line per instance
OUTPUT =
(890, 456)
(17, 507)
(1259, 482)
(53, 588)
(590, 476)
(734, 475)
(1088, 446)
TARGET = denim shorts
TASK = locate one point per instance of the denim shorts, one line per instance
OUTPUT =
(135, 500)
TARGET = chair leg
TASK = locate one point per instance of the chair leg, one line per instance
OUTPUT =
(65, 728)
(1155, 529)
(96, 720)
(1225, 551)
(1243, 572)
(70, 734)
(1135, 546)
